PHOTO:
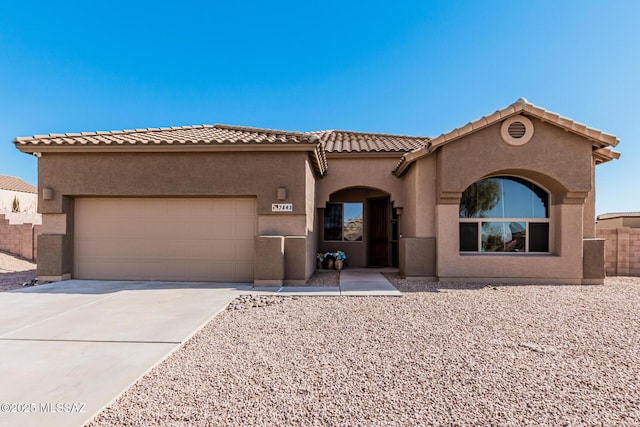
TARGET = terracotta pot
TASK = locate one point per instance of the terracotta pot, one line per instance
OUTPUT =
(339, 264)
(319, 265)
(330, 264)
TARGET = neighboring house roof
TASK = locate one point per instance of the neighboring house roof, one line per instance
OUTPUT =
(600, 140)
(618, 215)
(199, 135)
(12, 183)
(340, 141)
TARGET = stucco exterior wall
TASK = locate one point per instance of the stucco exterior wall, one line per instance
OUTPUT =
(559, 161)
(356, 251)
(556, 160)
(609, 223)
(630, 221)
(371, 172)
(179, 174)
(355, 179)
(418, 216)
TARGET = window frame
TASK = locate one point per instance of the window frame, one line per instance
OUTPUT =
(527, 237)
(342, 239)
(527, 220)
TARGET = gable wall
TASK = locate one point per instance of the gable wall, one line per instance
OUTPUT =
(558, 161)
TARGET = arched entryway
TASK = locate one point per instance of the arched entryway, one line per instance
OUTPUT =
(361, 222)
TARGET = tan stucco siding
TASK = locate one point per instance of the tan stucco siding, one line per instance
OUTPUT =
(180, 174)
(368, 172)
(557, 160)
(564, 264)
(175, 174)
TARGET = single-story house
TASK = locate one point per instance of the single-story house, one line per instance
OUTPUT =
(508, 198)
(618, 219)
(17, 196)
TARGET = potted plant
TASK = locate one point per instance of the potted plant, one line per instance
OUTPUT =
(340, 257)
(319, 260)
(329, 259)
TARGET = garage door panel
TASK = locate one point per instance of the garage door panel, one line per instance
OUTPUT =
(224, 227)
(244, 249)
(164, 239)
(245, 227)
(225, 271)
(201, 227)
(244, 272)
(200, 208)
(224, 250)
(224, 207)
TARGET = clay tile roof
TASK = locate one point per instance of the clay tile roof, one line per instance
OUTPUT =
(601, 141)
(200, 134)
(16, 184)
(339, 141)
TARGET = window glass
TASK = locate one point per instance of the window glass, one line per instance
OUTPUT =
(469, 236)
(503, 237)
(343, 221)
(505, 214)
(539, 237)
(504, 197)
(333, 221)
(352, 222)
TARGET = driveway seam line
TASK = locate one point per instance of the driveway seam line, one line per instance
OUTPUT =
(5, 335)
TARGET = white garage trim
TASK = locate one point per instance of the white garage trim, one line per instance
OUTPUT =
(177, 239)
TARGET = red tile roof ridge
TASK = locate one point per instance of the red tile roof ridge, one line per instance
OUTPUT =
(325, 131)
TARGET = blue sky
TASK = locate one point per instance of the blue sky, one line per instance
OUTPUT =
(412, 67)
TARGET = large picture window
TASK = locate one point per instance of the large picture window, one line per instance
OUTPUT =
(504, 214)
(343, 222)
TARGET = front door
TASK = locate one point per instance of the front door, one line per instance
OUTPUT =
(378, 232)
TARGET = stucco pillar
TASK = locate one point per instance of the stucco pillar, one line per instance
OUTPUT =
(447, 240)
(593, 262)
(55, 244)
(269, 266)
(418, 257)
(295, 260)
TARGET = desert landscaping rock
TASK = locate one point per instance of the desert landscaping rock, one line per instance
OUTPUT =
(451, 355)
(245, 302)
(15, 271)
(324, 278)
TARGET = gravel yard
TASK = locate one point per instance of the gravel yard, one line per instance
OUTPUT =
(475, 355)
(14, 271)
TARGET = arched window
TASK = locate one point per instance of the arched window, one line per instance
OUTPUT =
(504, 214)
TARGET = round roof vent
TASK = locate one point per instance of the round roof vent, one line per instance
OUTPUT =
(516, 130)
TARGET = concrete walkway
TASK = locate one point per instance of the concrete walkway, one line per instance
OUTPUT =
(70, 348)
(353, 282)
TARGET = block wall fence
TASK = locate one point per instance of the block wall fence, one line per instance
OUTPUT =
(19, 239)
(621, 250)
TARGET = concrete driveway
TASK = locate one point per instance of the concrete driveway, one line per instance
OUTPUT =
(68, 349)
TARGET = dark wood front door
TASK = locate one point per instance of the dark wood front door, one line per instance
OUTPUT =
(378, 232)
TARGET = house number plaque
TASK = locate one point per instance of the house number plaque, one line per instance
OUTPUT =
(282, 207)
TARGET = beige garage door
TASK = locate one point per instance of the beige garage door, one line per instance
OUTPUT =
(165, 239)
